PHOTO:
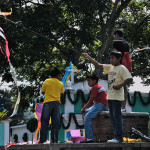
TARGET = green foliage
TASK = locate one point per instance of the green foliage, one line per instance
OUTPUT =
(3, 114)
(135, 21)
(53, 33)
(6, 100)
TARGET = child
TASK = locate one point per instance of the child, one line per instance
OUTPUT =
(98, 98)
(118, 77)
(52, 88)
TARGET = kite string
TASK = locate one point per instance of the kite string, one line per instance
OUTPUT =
(16, 23)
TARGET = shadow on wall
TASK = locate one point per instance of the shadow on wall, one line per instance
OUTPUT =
(25, 137)
(16, 138)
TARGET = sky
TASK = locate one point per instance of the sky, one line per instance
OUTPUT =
(137, 86)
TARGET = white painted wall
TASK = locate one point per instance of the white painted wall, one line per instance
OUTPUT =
(20, 130)
(84, 85)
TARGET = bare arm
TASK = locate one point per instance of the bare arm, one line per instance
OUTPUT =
(126, 82)
(94, 62)
(88, 104)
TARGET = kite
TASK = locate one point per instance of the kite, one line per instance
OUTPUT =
(67, 73)
(142, 49)
(7, 53)
(38, 112)
(12, 69)
(5, 13)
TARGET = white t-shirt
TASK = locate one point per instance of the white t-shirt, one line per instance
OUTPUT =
(116, 75)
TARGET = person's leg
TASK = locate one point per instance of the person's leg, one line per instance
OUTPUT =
(55, 118)
(118, 122)
(110, 105)
(46, 112)
(116, 117)
(89, 115)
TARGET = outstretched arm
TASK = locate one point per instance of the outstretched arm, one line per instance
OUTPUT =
(94, 62)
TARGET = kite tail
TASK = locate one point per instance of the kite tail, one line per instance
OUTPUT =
(37, 131)
(7, 50)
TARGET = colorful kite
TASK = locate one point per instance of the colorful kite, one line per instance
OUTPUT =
(5, 13)
(142, 49)
(67, 73)
(7, 53)
(12, 69)
(38, 112)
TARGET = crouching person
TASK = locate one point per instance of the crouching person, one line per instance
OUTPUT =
(99, 102)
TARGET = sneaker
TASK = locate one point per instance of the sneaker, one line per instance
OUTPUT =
(123, 109)
(113, 141)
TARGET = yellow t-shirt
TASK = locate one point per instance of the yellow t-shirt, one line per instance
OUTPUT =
(116, 75)
(52, 88)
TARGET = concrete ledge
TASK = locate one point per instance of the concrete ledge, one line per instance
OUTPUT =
(89, 146)
(134, 114)
(103, 129)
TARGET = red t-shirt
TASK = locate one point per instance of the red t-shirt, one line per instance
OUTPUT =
(99, 94)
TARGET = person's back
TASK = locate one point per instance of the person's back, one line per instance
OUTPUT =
(99, 94)
(53, 88)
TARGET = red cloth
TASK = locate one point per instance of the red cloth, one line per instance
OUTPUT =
(99, 94)
(126, 61)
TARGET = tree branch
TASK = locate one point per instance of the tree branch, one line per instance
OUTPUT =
(139, 72)
(30, 1)
(116, 13)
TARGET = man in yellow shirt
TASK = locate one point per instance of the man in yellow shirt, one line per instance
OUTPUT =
(52, 88)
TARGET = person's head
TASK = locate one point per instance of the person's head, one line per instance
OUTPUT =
(55, 73)
(118, 45)
(115, 58)
(118, 34)
(92, 80)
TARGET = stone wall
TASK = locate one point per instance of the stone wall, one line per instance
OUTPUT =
(103, 129)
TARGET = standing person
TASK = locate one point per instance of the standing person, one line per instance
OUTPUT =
(118, 77)
(122, 46)
(98, 98)
(52, 88)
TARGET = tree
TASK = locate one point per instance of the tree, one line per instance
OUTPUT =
(135, 21)
(53, 32)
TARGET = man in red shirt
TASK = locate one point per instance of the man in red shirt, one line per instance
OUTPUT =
(98, 98)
